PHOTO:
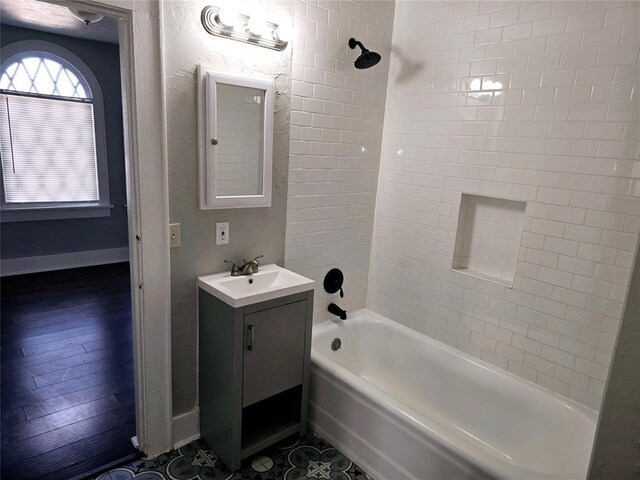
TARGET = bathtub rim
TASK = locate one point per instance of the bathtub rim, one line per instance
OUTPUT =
(434, 429)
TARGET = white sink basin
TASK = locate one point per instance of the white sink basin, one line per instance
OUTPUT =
(270, 282)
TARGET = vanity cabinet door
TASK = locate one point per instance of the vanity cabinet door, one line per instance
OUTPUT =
(273, 351)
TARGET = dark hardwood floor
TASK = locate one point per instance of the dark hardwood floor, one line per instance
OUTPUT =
(67, 400)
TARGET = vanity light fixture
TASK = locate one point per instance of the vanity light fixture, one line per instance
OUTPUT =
(227, 23)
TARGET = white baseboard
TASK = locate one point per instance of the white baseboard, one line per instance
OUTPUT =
(62, 261)
(186, 428)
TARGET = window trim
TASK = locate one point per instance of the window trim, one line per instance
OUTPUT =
(62, 210)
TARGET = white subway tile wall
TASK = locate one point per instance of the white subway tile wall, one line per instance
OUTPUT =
(336, 133)
(531, 101)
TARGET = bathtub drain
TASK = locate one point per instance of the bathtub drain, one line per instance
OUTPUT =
(336, 343)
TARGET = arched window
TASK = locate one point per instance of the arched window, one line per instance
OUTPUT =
(51, 133)
(43, 74)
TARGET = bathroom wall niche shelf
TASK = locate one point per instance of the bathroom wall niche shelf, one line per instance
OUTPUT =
(488, 238)
(254, 370)
(488, 278)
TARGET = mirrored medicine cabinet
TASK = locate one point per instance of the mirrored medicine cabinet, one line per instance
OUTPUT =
(235, 139)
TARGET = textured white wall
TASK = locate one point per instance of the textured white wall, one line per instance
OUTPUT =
(532, 101)
(336, 131)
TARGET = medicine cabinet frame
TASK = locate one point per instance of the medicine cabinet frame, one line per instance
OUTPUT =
(208, 142)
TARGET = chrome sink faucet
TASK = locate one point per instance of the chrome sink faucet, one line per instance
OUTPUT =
(251, 266)
(247, 268)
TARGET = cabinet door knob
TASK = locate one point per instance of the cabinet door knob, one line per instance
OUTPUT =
(250, 330)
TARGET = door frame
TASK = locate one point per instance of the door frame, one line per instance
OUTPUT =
(145, 141)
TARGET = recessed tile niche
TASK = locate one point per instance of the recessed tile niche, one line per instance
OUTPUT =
(488, 237)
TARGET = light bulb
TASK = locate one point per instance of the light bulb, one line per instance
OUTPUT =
(228, 17)
(255, 25)
(284, 31)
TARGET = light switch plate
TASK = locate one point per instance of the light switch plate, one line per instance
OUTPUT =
(174, 235)
(222, 233)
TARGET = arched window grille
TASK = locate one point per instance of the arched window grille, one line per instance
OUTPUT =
(43, 74)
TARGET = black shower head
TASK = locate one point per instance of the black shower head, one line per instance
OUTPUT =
(366, 59)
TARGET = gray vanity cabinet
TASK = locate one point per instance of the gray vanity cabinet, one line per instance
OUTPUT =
(274, 357)
(253, 372)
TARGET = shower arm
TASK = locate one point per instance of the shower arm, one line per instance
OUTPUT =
(353, 42)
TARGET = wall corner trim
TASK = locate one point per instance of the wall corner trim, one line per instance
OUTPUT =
(186, 428)
(62, 261)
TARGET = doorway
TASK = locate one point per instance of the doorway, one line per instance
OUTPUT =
(68, 401)
(145, 147)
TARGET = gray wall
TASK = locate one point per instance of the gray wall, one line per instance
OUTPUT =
(253, 231)
(616, 452)
(49, 237)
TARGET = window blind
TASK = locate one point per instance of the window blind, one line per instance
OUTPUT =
(48, 150)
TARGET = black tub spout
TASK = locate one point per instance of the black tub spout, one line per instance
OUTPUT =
(337, 311)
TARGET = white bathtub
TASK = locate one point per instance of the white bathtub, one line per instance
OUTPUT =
(403, 405)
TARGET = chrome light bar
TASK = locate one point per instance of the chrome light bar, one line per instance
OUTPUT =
(270, 37)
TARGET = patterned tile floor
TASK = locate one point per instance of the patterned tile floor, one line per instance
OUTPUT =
(310, 457)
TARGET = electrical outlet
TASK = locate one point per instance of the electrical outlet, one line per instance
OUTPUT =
(174, 235)
(222, 233)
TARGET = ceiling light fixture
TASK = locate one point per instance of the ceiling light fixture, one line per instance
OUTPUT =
(227, 23)
(86, 17)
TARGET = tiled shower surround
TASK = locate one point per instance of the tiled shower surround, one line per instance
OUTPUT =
(535, 102)
(336, 133)
(528, 101)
